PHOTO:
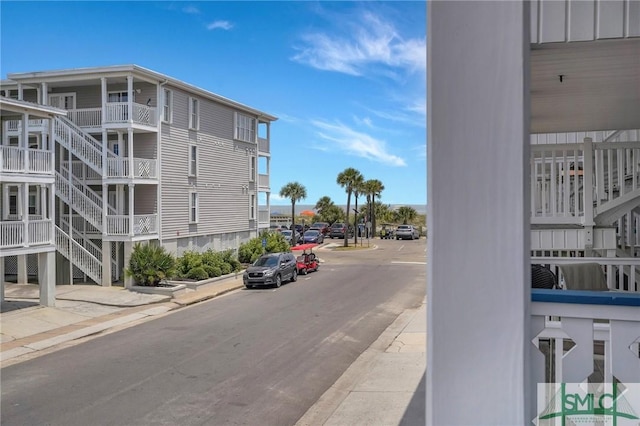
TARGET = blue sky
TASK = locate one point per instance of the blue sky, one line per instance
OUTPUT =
(346, 79)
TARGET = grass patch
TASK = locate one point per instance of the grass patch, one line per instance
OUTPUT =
(351, 247)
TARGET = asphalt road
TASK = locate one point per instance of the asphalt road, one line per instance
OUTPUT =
(253, 357)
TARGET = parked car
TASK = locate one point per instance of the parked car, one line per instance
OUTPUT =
(312, 236)
(321, 226)
(271, 270)
(288, 234)
(338, 230)
(277, 228)
(407, 232)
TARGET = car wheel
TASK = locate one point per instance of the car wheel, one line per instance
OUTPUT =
(278, 281)
(304, 271)
(248, 286)
(294, 276)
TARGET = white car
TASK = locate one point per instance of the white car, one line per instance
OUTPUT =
(407, 232)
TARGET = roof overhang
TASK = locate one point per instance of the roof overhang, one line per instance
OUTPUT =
(74, 75)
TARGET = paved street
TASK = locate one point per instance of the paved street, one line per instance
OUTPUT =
(251, 357)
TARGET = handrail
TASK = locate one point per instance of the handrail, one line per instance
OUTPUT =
(582, 297)
(78, 255)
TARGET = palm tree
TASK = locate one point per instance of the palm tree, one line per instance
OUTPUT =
(406, 214)
(373, 189)
(295, 192)
(346, 180)
(358, 188)
(323, 204)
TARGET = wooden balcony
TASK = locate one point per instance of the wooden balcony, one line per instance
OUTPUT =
(142, 225)
(21, 160)
(116, 113)
(16, 233)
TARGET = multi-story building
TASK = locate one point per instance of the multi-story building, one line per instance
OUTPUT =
(27, 195)
(143, 157)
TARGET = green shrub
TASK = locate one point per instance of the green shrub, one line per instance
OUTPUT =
(198, 273)
(188, 261)
(150, 264)
(226, 269)
(252, 249)
(213, 271)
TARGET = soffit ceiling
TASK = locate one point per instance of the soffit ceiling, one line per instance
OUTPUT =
(600, 88)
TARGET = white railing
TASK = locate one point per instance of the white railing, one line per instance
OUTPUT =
(76, 142)
(263, 181)
(263, 215)
(79, 201)
(602, 325)
(143, 114)
(13, 159)
(35, 125)
(621, 273)
(573, 182)
(86, 117)
(87, 191)
(40, 232)
(118, 112)
(142, 224)
(12, 233)
(142, 168)
(263, 145)
(78, 255)
(40, 161)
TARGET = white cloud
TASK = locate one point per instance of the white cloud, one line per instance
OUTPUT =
(225, 25)
(191, 10)
(356, 143)
(372, 46)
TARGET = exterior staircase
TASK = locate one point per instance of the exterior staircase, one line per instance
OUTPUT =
(70, 242)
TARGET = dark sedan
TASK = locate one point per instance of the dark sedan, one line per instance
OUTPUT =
(312, 236)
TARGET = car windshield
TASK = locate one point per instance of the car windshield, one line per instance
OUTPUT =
(266, 261)
(286, 233)
(311, 233)
(403, 227)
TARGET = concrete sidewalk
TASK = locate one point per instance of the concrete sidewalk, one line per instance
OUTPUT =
(384, 386)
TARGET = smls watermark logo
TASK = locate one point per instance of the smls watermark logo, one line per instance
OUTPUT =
(565, 404)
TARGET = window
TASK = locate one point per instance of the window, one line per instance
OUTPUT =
(193, 160)
(117, 97)
(194, 113)
(245, 128)
(252, 169)
(63, 100)
(166, 108)
(193, 207)
(252, 207)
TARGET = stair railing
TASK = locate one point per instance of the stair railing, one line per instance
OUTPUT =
(78, 255)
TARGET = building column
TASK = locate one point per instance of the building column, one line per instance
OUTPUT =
(25, 139)
(131, 209)
(478, 279)
(106, 263)
(47, 278)
(2, 279)
(130, 98)
(128, 248)
(45, 94)
(22, 269)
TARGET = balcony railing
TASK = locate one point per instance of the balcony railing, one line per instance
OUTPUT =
(20, 160)
(12, 233)
(580, 335)
(142, 224)
(263, 181)
(263, 145)
(142, 168)
(116, 112)
(35, 125)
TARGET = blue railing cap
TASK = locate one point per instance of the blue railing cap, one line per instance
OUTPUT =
(583, 297)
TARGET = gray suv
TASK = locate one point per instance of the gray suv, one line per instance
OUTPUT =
(271, 270)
